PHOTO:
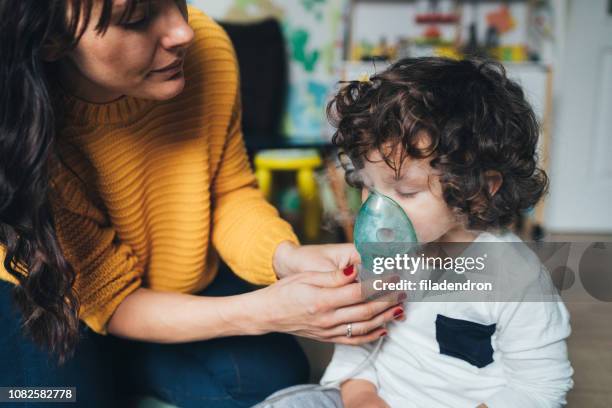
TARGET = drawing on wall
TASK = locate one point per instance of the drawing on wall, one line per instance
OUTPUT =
(313, 30)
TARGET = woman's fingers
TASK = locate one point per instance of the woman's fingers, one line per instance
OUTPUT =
(367, 311)
(331, 279)
(362, 328)
(355, 340)
(347, 295)
(320, 304)
(345, 254)
(351, 294)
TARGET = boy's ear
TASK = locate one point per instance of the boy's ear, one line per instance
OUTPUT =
(494, 181)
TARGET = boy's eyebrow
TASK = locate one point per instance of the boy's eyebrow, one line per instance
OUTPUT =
(397, 177)
(400, 177)
(391, 179)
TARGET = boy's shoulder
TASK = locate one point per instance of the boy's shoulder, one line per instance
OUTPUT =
(507, 248)
(521, 271)
(502, 235)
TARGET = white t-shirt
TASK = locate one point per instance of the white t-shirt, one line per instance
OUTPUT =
(428, 359)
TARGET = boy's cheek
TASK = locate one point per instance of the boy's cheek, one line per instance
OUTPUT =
(429, 223)
(428, 233)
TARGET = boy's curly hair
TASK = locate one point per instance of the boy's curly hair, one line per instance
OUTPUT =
(476, 120)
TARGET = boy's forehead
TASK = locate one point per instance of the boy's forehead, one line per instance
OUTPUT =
(410, 169)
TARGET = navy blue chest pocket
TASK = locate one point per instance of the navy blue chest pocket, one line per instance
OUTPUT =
(469, 341)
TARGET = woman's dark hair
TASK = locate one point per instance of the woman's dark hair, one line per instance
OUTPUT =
(29, 120)
(475, 119)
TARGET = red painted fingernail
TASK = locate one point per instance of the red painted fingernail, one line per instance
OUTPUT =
(383, 334)
(398, 312)
(348, 271)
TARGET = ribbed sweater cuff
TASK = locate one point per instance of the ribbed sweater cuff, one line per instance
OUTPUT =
(265, 244)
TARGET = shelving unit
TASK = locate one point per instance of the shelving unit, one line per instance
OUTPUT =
(468, 11)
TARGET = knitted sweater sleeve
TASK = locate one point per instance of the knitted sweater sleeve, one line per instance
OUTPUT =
(106, 269)
(246, 228)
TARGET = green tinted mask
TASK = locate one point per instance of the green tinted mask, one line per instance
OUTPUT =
(382, 228)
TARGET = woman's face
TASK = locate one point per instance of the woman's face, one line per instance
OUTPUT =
(418, 191)
(141, 57)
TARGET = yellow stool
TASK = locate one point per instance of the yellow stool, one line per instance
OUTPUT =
(304, 162)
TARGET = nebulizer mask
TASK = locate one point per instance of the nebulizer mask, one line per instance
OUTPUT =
(382, 228)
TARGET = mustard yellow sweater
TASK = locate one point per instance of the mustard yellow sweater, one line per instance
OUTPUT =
(151, 191)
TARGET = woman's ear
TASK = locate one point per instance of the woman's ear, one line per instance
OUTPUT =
(494, 181)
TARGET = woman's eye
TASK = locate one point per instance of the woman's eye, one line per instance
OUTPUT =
(137, 24)
(141, 18)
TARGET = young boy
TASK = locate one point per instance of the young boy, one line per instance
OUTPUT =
(454, 144)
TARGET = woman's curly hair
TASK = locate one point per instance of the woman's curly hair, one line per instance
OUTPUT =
(476, 120)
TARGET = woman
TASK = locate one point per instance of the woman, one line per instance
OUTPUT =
(123, 175)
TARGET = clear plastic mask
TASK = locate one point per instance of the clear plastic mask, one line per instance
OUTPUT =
(382, 228)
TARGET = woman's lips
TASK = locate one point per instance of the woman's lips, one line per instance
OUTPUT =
(172, 68)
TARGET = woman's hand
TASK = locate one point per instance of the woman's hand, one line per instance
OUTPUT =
(290, 259)
(319, 305)
(361, 393)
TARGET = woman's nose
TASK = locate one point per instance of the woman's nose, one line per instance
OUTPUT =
(177, 33)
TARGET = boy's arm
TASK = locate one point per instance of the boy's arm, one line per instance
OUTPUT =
(533, 351)
(346, 359)
(361, 386)
(361, 393)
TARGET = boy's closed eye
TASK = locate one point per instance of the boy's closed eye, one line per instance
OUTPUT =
(407, 194)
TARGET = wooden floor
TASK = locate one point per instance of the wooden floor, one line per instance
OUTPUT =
(590, 345)
(590, 350)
